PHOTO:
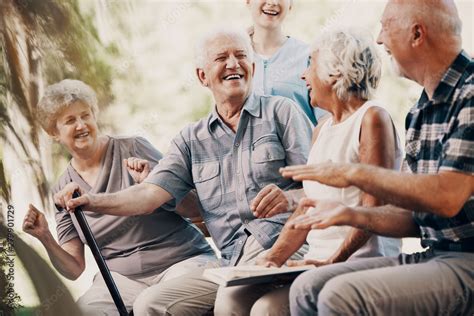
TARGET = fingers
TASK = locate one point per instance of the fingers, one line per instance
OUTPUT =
(303, 222)
(277, 208)
(146, 166)
(296, 263)
(62, 197)
(270, 201)
(267, 203)
(32, 208)
(30, 218)
(306, 203)
(72, 204)
(265, 263)
(29, 221)
(306, 262)
(290, 171)
(266, 190)
(136, 164)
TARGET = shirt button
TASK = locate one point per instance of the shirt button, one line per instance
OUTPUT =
(246, 221)
(237, 144)
(240, 242)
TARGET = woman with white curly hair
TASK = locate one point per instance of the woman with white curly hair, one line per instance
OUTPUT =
(343, 74)
(140, 251)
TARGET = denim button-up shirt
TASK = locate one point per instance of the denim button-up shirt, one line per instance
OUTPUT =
(228, 169)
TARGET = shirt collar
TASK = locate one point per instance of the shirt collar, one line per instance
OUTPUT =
(448, 82)
(251, 106)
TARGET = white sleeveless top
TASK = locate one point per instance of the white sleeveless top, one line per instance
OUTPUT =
(340, 143)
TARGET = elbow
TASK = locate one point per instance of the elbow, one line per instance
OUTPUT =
(449, 209)
(146, 211)
(449, 212)
(73, 275)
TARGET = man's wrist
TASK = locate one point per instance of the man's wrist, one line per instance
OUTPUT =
(353, 173)
(359, 218)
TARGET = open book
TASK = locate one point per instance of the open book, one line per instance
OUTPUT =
(244, 275)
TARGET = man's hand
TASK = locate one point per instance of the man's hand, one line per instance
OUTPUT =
(328, 173)
(35, 223)
(305, 262)
(324, 215)
(64, 197)
(138, 168)
(270, 201)
(267, 262)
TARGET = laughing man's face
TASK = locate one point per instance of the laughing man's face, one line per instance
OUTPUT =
(228, 68)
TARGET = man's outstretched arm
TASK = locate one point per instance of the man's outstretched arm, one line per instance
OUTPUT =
(139, 199)
(442, 194)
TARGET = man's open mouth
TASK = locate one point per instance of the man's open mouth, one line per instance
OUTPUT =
(233, 77)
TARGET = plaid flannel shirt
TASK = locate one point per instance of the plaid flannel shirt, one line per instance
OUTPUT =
(440, 137)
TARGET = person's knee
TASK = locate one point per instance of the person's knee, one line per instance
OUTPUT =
(338, 296)
(264, 307)
(304, 287)
(148, 303)
(230, 301)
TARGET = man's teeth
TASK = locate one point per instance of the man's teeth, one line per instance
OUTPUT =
(270, 12)
(232, 77)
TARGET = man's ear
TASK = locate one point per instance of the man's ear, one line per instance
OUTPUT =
(418, 34)
(201, 76)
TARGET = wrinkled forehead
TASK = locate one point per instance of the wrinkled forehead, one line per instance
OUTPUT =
(225, 43)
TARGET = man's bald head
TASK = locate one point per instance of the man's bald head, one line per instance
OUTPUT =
(438, 16)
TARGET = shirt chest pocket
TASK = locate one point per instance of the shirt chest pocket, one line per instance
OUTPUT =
(207, 182)
(267, 156)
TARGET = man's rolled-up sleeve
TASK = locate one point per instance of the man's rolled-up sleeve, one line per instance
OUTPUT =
(173, 172)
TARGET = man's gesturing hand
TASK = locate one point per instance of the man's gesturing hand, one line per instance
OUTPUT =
(324, 214)
(64, 197)
(328, 173)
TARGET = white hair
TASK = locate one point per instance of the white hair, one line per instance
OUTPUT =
(61, 95)
(351, 57)
(201, 49)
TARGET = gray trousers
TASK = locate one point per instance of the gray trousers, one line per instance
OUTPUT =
(428, 283)
(136, 292)
(192, 294)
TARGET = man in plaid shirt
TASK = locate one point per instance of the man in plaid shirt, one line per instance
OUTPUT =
(432, 198)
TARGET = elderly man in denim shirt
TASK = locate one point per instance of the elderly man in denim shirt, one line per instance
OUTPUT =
(228, 157)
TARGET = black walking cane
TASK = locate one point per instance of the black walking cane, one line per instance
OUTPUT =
(104, 270)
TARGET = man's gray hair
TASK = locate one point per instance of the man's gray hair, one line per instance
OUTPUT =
(201, 53)
(59, 96)
(350, 56)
